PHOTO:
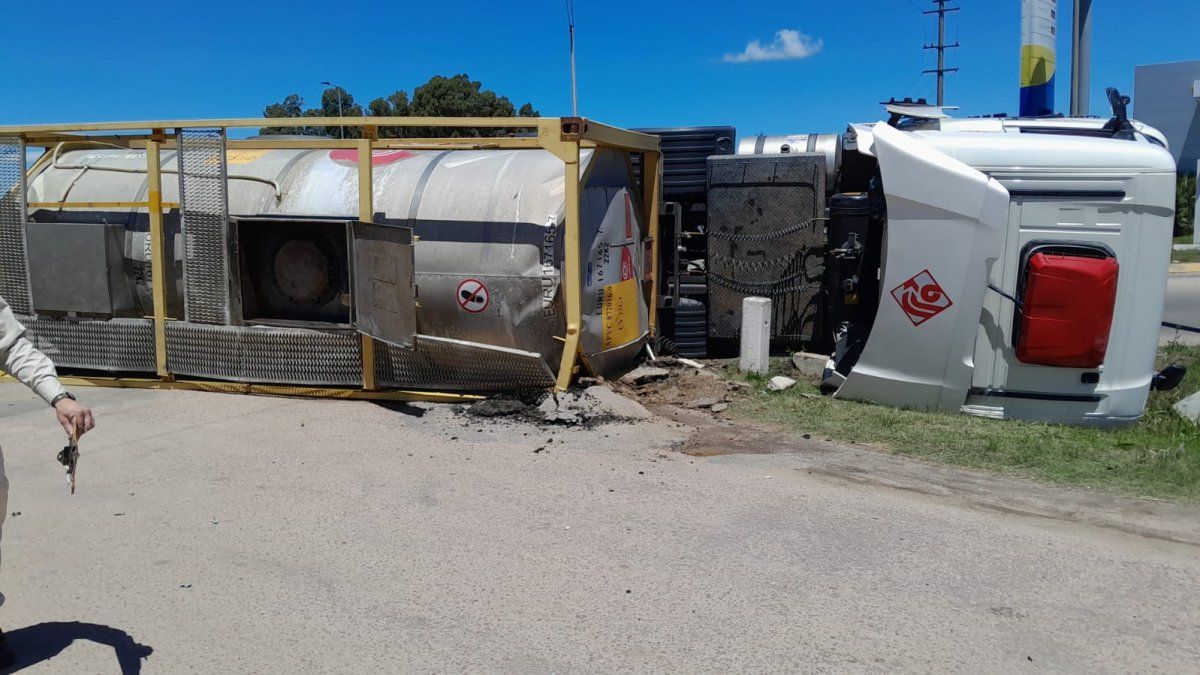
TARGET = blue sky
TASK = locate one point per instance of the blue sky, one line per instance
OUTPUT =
(640, 63)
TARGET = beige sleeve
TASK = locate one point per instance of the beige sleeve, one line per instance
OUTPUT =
(23, 361)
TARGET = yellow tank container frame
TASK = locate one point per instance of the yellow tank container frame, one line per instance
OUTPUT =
(563, 137)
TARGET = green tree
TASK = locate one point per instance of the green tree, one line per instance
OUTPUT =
(1185, 205)
(457, 96)
(291, 106)
(460, 96)
(395, 105)
(337, 102)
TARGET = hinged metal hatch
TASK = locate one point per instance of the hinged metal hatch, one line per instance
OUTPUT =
(382, 288)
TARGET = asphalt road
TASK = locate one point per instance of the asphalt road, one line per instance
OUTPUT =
(1182, 306)
(240, 534)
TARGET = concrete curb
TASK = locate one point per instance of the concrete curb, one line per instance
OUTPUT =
(1185, 268)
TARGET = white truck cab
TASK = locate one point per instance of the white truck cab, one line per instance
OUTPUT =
(1023, 268)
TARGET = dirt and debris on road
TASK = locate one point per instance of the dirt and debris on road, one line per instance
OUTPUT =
(499, 407)
(659, 385)
(668, 382)
(586, 406)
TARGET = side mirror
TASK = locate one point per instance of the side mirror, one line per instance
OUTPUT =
(1168, 378)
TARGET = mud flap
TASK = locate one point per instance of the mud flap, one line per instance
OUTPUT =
(945, 229)
(382, 289)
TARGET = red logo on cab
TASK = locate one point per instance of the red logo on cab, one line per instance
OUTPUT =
(921, 298)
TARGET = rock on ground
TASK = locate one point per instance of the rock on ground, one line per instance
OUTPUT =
(780, 383)
(810, 365)
(1190, 407)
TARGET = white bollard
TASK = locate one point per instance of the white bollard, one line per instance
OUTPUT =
(756, 335)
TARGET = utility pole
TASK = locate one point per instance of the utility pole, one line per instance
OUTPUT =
(574, 88)
(941, 48)
(1081, 57)
(571, 33)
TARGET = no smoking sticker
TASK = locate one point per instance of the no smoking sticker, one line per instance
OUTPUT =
(472, 296)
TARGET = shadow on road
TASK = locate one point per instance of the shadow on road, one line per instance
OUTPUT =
(44, 641)
(401, 407)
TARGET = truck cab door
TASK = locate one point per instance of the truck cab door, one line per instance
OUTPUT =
(383, 293)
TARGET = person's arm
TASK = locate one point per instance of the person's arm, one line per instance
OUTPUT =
(35, 370)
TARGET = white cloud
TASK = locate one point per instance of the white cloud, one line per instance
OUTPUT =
(788, 44)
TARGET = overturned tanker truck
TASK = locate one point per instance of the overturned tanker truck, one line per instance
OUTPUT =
(1009, 268)
(1000, 267)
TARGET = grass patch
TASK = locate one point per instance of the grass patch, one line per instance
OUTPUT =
(1157, 457)
(1189, 256)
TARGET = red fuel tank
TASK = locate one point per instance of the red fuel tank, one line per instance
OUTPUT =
(1067, 309)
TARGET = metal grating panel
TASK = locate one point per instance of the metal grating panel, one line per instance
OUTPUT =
(456, 365)
(14, 266)
(766, 237)
(119, 345)
(285, 356)
(267, 355)
(205, 207)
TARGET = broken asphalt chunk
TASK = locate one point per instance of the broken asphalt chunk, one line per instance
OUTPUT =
(608, 402)
(645, 375)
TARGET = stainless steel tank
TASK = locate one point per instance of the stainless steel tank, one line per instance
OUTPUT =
(488, 223)
(829, 145)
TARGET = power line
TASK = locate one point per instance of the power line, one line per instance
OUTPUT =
(571, 33)
(912, 84)
(941, 48)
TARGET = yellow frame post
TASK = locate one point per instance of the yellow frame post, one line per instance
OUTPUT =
(561, 138)
(366, 213)
(651, 197)
(158, 269)
(572, 270)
